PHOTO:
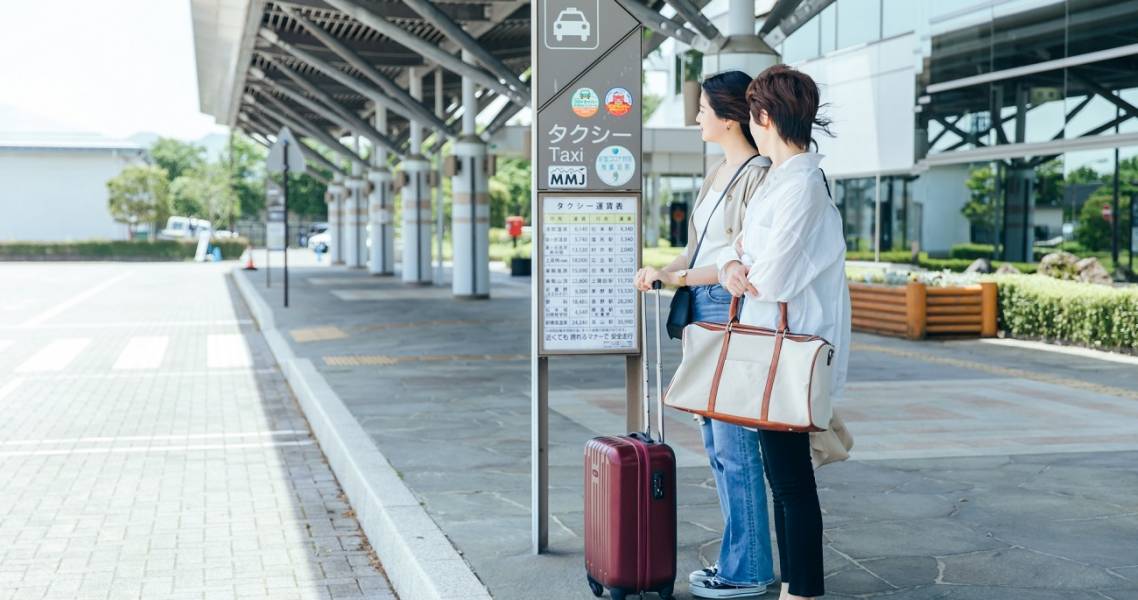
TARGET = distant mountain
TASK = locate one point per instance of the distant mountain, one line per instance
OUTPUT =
(18, 120)
(214, 143)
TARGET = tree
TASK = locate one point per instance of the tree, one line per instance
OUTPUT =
(245, 161)
(509, 190)
(980, 210)
(1094, 232)
(207, 193)
(177, 157)
(140, 194)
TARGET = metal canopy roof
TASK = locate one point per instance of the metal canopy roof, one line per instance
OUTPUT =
(317, 65)
(232, 54)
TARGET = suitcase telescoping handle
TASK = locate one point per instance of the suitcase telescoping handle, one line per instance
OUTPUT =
(656, 285)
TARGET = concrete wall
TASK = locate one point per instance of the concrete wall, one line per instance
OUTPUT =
(942, 193)
(58, 195)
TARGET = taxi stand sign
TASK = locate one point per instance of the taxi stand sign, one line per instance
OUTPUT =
(586, 203)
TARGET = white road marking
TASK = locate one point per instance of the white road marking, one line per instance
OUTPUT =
(10, 387)
(143, 352)
(114, 324)
(142, 449)
(55, 356)
(72, 301)
(147, 374)
(227, 350)
(151, 438)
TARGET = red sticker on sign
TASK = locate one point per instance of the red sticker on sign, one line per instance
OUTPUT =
(618, 101)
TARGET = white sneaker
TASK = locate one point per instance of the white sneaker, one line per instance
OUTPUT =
(704, 573)
(717, 588)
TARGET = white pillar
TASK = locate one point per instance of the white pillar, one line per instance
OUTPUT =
(470, 212)
(416, 201)
(382, 259)
(335, 221)
(740, 52)
(351, 218)
(652, 236)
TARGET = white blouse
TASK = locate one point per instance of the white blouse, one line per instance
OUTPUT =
(794, 245)
(715, 238)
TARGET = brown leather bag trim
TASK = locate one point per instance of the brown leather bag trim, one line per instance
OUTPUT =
(810, 388)
(756, 423)
(719, 370)
(770, 377)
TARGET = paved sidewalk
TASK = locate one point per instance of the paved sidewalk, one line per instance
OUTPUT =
(980, 471)
(151, 449)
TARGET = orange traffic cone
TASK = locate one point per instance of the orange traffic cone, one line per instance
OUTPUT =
(249, 259)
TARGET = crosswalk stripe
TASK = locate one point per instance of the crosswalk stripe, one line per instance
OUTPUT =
(142, 352)
(55, 356)
(227, 350)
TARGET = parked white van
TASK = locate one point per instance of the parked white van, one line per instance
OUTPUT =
(182, 228)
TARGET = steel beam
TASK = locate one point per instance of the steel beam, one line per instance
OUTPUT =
(701, 23)
(400, 95)
(364, 14)
(360, 87)
(667, 27)
(437, 17)
(787, 16)
(268, 128)
(354, 123)
(286, 115)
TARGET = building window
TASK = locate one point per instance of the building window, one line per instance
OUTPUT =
(859, 21)
(899, 16)
(802, 44)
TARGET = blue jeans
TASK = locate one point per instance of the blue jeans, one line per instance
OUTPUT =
(745, 556)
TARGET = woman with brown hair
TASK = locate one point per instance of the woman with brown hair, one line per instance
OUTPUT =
(792, 249)
(745, 566)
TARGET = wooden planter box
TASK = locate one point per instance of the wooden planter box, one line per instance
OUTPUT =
(916, 311)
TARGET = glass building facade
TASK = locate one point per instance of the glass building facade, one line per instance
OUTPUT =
(1025, 113)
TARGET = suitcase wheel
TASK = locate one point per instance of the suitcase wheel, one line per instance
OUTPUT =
(617, 594)
(666, 593)
(597, 589)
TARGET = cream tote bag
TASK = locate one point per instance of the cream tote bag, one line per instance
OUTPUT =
(753, 376)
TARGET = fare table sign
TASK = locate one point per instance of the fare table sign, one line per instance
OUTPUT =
(589, 255)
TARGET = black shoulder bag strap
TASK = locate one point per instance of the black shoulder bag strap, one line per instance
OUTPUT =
(680, 314)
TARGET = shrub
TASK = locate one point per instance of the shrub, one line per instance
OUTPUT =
(160, 250)
(971, 251)
(1079, 313)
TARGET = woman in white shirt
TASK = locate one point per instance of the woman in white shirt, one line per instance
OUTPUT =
(792, 249)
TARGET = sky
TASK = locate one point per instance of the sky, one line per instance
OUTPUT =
(113, 67)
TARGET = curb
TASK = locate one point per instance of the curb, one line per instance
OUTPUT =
(419, 560)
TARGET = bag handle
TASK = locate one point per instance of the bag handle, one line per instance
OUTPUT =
(730, 185)
(783, 321)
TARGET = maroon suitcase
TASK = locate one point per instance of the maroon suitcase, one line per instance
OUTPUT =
(630, 503)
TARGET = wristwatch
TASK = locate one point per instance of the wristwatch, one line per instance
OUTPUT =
(682, 277)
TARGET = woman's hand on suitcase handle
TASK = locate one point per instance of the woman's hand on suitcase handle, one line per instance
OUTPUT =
(645, 276)
(734, 280)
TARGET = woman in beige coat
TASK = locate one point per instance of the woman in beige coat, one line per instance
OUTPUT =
(745, 565)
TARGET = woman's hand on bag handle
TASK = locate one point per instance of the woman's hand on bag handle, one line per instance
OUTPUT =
(645, 276)
(733, 277)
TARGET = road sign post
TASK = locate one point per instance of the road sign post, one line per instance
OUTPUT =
(283, 156)
(586, 205)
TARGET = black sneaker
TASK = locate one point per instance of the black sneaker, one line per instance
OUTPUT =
(704, 573)
(717, 588)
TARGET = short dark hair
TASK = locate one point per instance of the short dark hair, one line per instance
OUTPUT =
(727, 95)
(791, 100)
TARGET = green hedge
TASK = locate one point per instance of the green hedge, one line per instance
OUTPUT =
(1091, 315)
(958, 265)
(160, 250)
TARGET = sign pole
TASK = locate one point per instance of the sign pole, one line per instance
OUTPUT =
(585, 207)
(285, 194)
